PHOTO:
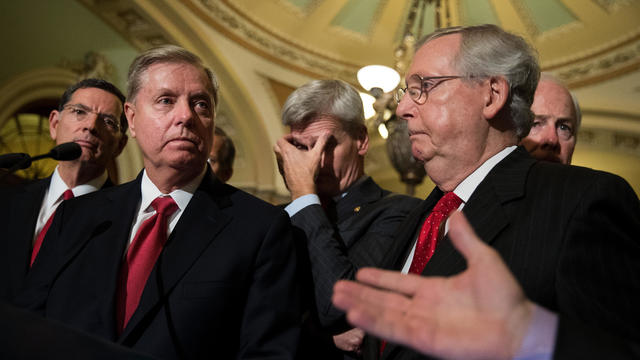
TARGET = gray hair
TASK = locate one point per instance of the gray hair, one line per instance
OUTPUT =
(334, 98)
(545, 76)
(487, 50)
(166, 54)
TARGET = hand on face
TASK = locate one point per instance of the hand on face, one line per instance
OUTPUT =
(300, 165)
(481, 313)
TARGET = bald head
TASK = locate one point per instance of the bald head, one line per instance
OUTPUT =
(557, 118)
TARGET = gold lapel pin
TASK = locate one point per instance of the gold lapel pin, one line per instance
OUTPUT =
(356, 209)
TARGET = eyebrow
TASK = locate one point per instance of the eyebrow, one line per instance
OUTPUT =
(88, 109)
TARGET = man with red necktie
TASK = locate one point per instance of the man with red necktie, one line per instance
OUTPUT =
(175, 264)
(91, 114)
(568, 234)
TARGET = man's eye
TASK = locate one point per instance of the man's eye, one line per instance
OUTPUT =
(536, 123)
(78, 111)
(565, 127)
(110, 122)
(164, 101)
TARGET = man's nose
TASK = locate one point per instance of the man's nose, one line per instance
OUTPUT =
(406, 108)
(183, 112)
(550, 136)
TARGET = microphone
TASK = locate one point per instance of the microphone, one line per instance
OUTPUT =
(9, 160)
(62, 152)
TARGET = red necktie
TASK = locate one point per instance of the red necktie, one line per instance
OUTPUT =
(141, 257)
(68, 194)
(428, 238)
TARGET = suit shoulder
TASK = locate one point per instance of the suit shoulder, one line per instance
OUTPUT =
(251, 203)
(575, 176)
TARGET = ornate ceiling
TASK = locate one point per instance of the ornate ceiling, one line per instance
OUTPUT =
(264, 49)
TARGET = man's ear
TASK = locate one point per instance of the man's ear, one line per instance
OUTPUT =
(497, 96)
(130, 113)
(54, 120)
(121, 144)
(363, 141)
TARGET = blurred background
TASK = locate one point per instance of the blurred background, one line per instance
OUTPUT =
(262, 50)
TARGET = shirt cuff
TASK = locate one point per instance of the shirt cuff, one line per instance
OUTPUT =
(539, 342)
(301, 203)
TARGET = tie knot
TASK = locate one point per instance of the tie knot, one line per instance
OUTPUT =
(68, 194)
(164, 205)
(447, 203)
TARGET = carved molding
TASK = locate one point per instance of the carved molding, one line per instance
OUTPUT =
(126, 19)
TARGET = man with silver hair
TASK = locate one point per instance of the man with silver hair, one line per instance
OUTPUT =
(554, 132)
(175, 264)
(569, 235)
(348, 220)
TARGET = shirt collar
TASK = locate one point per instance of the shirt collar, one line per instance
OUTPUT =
(57, 186)
(360, 180)
(181, 196)
(465, 189)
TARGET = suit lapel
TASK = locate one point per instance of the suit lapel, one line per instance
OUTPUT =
(485, 210)
(356, 199)
(198, 226)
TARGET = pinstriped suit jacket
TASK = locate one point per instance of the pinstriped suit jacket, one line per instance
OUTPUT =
(367, 218)
(570, 235)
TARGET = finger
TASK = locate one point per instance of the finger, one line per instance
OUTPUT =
(465, 239)
(348, 295)
(318, 147)
(394, 281)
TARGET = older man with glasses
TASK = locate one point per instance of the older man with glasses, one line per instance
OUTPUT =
(568, 234)
(90, 114)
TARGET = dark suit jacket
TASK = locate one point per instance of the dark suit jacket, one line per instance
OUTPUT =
(365, 222)
(570, 235)
(333, 244)
(18, 216)
(224, 286)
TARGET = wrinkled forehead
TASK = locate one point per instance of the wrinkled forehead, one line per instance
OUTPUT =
(310, 130)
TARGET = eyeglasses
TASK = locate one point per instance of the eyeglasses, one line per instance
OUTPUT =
(418, 87)
(81, 112)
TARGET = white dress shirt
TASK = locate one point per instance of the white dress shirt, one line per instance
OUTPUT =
(149, 192)
(53, 196)
(464, 190)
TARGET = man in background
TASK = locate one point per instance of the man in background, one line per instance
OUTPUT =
(554, 132)
(90, 114)
(223, 152)
(347, 219)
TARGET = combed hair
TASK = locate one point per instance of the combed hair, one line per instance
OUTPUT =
(227, 150)
(545, 76)
(166, 54)
(487, 50)
(334, 98)
(98, 84)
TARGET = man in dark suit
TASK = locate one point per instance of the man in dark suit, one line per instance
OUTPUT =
(347, 219)
(222, 154)
(568, 234)
(175, 264)
(91, 114)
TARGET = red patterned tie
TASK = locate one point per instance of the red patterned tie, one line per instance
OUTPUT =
(428, 238)
(68, 194)
(141, 257)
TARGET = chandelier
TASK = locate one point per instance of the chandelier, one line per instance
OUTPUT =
(381, 81)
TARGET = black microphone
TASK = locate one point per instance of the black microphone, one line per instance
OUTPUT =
(10, 160)
(64, 152)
